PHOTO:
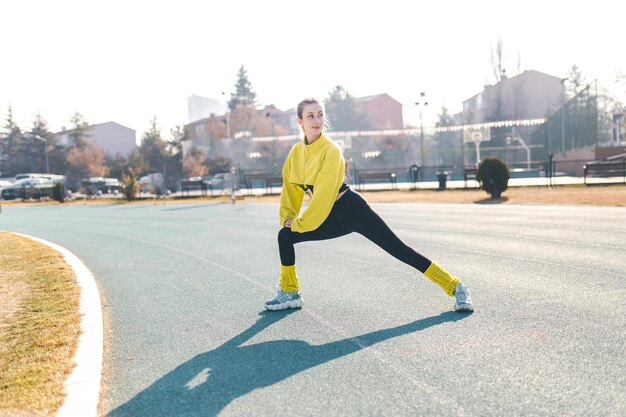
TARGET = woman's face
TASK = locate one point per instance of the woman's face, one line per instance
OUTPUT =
(312, 121)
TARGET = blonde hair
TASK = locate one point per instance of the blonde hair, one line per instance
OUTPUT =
(306, 102)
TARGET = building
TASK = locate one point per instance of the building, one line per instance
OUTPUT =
(383, 111)
(199, 107)
(221, 135)
(529, 95)
(112, 138)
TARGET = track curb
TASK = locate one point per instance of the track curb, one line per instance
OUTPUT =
(82, 386)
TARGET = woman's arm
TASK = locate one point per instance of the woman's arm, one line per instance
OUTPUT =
(290, 197)
(325, 191)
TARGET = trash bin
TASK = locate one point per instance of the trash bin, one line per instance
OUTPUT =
(442, 177)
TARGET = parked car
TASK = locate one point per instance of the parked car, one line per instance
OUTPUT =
(28, 188)
(221, 181)
(54, 177)
(100, 185)
(152, 183)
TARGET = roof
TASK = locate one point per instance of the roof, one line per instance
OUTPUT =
(508, 80)
(370, 98)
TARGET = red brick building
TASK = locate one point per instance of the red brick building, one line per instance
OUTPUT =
(383, 111)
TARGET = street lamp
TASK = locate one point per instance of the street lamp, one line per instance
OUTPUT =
(421, 104)
(227, 121)
(44, 140)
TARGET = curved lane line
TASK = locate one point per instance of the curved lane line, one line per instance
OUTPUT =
(82, 386)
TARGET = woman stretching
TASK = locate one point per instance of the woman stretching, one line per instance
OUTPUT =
(317, 165)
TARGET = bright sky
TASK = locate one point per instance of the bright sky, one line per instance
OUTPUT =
(128, 61)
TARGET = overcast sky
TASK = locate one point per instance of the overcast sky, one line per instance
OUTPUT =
(128, 61)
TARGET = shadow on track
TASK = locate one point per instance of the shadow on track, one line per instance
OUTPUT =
(207, 383)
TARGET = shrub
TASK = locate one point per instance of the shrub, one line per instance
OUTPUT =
(493, 176)
(130, 186)
(58, 192)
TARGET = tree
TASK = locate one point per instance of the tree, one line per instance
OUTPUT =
(87, 161)
(244, 94)
(130, 186)
(497, 61)
(343, 111)
(117, 165)
(194, 163)
(11, 160)
(446, 145)
(248, 119)
(80, 130)
(218, 164)
(57, 155)
(153, 149)
(575, 82)
(174, 170)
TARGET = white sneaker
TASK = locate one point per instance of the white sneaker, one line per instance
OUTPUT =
(283, 300)
(463, 298)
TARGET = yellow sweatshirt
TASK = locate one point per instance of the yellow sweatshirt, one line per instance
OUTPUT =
(319, 164)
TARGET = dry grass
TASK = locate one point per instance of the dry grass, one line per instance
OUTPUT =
(597, 195)
(39, 328)
(613, 195)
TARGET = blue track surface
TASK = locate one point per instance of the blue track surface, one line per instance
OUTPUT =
(184, 286)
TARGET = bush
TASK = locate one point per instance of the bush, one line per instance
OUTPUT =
(130, 186)
(493, 176)
(58, 192)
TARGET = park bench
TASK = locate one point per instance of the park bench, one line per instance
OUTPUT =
(363, 177)
(194, 184)
(273, 181)
(614, 168)
(266, 180)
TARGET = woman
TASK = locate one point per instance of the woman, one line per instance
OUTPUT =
(316, 165)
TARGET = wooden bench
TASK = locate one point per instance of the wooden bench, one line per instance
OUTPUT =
(615, 168)
(375, 176)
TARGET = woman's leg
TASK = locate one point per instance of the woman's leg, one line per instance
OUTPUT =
(289, 281)
(358, 216)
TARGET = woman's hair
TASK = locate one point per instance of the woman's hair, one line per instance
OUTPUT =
(308, 101)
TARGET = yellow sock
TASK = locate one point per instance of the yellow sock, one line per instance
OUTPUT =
(288, 278)
(441, 277)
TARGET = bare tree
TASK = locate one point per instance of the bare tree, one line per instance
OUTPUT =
(497, 60)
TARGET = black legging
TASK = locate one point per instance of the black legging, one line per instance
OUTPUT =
(351, 213)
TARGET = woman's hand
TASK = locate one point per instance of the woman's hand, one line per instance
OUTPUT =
(288, 223)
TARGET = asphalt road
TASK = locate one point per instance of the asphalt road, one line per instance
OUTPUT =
(184, 286)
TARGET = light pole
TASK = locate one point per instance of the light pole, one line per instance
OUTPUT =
(44, 140)
(421, 104)
(227, 120)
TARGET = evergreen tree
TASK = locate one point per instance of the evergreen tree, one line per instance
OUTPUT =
(117, 165)
(11, 161)
(153, 149)
(174, 159)
(80, 130)
(244, 94)
(343, 111)
(575, 82)
(56, 154)
(446, 141)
